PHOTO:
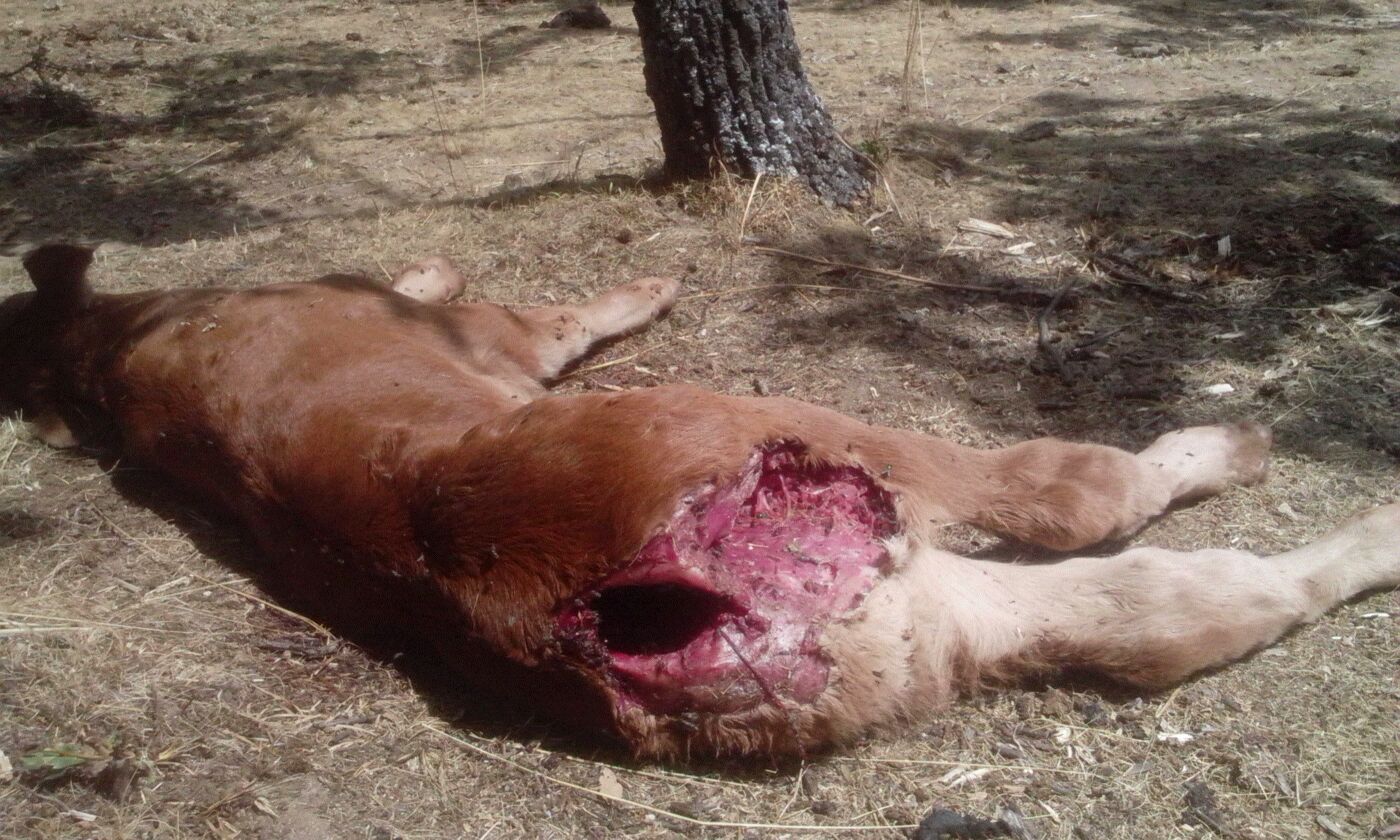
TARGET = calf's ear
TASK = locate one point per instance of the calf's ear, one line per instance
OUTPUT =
(59, 272)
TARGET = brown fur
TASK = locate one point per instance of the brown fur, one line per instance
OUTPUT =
(401, 463)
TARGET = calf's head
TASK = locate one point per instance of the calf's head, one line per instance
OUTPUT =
(32, 326)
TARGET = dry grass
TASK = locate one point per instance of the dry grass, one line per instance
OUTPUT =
(247, 143)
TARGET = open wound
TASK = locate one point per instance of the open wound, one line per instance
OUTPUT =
(725, 608)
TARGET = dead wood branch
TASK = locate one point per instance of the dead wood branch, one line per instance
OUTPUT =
(998, 291)
(1047, 348)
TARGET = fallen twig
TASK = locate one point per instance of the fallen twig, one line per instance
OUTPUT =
(1101, 337)
(309, 622)
(889, 191)
(926, 762)
(748, 205)
(1042, 322)
(5, 461)
(36, 63)
(1010, 291)
(193, 164)
(778, 287)
(612, 362)
(85, 623)
(21, 629)
(989, 112)
(385, 270)
(1124, 272)
(1282, 102)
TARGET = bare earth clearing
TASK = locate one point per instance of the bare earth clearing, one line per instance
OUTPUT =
(218, 142)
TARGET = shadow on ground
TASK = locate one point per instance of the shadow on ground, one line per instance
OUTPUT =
(483, 700)
(71, 168)
(57, 173)
(1158, 294)
(1175, 24)
(1153, 186)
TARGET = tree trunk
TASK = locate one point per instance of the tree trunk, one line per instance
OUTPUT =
(726, 78)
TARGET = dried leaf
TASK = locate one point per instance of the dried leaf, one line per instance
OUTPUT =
(1015, 824)
(608, 784)
(1040, 130)
(959, 776)
(986, 228)
(58, 760)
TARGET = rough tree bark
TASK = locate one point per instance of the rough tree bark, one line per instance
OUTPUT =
(727, 82)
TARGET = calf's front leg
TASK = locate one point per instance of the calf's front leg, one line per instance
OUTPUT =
(1048, 492)
(1070, 495)
(561, 334)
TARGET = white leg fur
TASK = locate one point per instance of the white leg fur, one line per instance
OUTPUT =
(1205, 460)
(1148, 617)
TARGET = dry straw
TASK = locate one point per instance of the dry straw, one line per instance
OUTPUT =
(652, 809)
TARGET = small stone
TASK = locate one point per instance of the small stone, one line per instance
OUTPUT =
(1156, 49)
(1095, 714)
(1202, 809)
(1056, 703)
(582, 16)
(1042, 130)
(1010, 751)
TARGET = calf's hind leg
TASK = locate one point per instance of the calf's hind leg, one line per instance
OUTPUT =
(1152, 617)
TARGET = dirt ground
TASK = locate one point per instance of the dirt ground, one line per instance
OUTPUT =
(1214, 184)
